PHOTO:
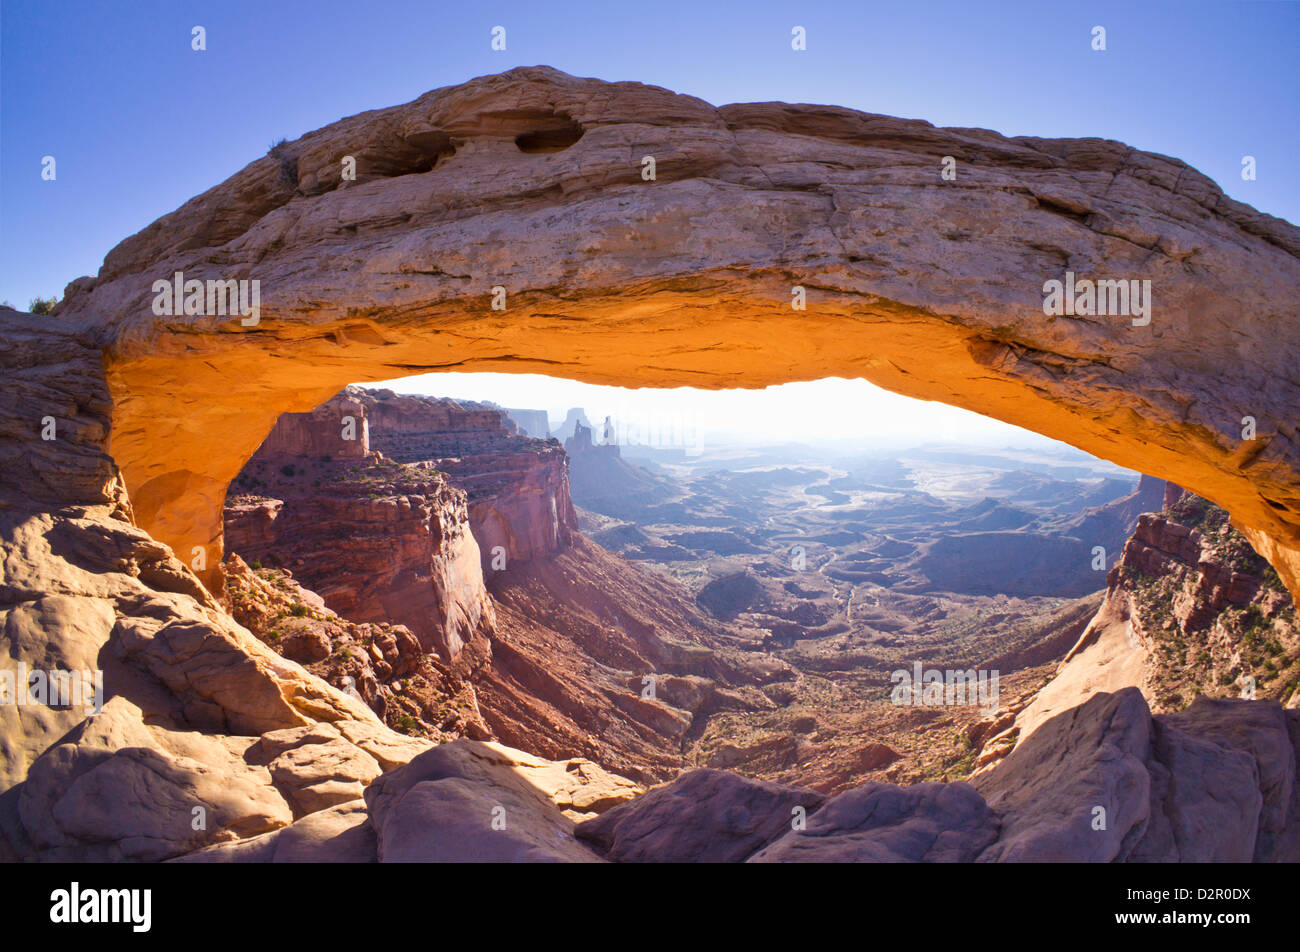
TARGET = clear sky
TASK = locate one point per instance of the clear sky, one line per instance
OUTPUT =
(138, 122)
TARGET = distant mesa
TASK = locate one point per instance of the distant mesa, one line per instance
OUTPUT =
(531, 423)
(576, 417)
(604, 482)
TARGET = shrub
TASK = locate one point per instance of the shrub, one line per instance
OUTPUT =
(43, 306)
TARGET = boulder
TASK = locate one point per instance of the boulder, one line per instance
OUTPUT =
(1077, 789)
(117, 789)
(340, 834)
(465, 802)
(885, 823)
(705, 816)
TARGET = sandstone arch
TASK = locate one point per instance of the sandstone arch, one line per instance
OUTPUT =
(531, 180)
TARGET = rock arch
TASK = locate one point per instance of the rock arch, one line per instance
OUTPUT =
(531, 180)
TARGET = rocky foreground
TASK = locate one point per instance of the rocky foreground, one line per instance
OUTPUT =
(1107, 782)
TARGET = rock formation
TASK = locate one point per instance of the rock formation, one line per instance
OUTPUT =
(187, 691)
(604, 482)
(1215, 783)
(568, 428)
(379, 541)
(122, 429)
(1190, 610)
(517, 488)
(579, 632)
(928, 287)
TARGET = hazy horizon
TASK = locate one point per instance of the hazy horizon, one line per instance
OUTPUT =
(831, 412)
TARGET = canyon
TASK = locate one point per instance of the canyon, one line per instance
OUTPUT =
(333, 621)
(547, 640)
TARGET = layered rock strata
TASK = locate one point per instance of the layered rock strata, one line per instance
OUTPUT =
(379, 541)
(517, 487)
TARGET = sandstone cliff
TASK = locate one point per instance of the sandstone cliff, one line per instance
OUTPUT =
(517, 487)
(590, 655)
(1191, 610)
(378, 540)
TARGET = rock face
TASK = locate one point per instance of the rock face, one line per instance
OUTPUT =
(377, 540)
(517, 487)
(577, 629)
(187, 691)
(1175, 788)
(385, 665)
(928, 287)
(1190, 610)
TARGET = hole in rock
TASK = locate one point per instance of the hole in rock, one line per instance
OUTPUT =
(555, 137)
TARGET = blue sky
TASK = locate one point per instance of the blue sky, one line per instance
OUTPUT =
(138, 122)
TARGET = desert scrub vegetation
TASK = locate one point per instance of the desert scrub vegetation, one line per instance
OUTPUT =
(406, 724)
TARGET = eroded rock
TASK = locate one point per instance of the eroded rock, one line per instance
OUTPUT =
(705, 816)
